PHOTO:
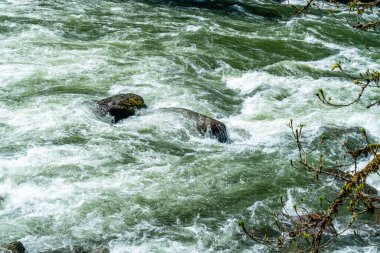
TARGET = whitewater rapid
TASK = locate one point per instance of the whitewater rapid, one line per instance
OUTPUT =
(150, 183)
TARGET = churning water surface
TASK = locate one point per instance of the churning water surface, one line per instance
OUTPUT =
(151, 183)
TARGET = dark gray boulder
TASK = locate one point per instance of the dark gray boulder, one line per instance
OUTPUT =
(13, 247)
(121, 106)
(205, 125)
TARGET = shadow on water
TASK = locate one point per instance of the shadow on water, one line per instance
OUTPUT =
(271, 10)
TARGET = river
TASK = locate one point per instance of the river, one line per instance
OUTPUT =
(150, 183)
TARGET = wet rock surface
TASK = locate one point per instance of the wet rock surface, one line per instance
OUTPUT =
(121, 106)
(13, 247)
(205, 125)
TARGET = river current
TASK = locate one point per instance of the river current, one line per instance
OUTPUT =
(150, 183)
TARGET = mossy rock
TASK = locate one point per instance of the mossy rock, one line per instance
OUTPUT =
(13, 247)
(121, 106)
(206, 126)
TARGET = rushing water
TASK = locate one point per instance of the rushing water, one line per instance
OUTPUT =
(151, 183)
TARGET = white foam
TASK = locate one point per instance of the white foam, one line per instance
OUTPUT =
(355, 249)
(248, 82)
(13, 73)
(112, 184)
(271, 101)
(192, 28)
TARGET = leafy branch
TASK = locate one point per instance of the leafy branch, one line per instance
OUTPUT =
(314, 231)
(354, 6)
(368, 80)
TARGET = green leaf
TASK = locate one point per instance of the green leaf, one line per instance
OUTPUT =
(336, 65)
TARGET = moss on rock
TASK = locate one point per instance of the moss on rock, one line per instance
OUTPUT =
(14, 247)
(121, 106)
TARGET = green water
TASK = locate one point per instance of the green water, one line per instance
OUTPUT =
(151, 183)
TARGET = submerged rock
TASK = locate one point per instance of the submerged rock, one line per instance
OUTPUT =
(80, 249)
(205, 125)
(14, 247)
(351, 137)
(121, 106)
